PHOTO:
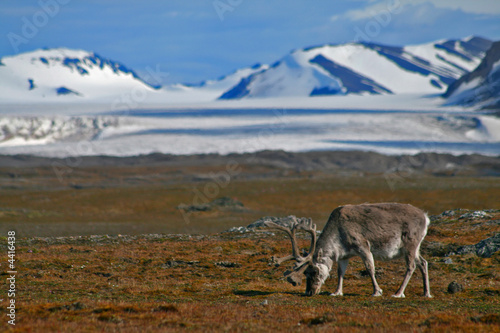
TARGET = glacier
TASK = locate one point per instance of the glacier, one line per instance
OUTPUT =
(225, 131)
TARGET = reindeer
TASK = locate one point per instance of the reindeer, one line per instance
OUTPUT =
(383, 231)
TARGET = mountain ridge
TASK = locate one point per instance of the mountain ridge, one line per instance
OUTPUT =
(481, 86)
(339, 69)
(363, 68)
(51, 73)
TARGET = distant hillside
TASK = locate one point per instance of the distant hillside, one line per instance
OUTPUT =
(55, 75)
(480, 87)
(364, 68)
(65, 74)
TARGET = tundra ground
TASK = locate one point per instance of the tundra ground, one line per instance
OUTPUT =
(151, 266)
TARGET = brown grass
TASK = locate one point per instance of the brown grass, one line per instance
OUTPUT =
(219, 282)
(118, 200)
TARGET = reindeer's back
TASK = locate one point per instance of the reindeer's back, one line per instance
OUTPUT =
(386, 226)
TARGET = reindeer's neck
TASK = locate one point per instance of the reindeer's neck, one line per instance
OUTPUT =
(332, 249)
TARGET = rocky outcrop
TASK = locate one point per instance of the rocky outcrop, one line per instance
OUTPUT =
(485, 248)
(223, 203)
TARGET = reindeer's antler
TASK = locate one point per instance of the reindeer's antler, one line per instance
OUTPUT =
(308, 226)
(295, 276)
(291, 233)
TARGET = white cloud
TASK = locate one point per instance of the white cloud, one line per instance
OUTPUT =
(467, 6)
(335, 18)
(490, 7)
(370, 11)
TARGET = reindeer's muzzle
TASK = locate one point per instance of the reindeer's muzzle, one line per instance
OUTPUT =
(311, 288)
(312, 292)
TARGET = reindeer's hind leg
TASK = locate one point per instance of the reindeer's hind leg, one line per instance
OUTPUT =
(411, 258)
(422, 265)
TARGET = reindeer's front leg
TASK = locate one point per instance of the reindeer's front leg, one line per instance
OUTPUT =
(367, 258)
(341, 269)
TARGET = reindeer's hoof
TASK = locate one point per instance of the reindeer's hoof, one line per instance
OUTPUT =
(337, 293)
(378, 293)
(428, 295)
(398, 296)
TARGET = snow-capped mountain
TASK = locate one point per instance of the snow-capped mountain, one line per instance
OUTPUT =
(208, 90)
(64, 74)
(228, 81)
(61, 74)
(55, 75)
(364, 68)
(481, 87)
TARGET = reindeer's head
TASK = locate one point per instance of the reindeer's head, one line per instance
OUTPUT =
(311, 265)
(316, 274)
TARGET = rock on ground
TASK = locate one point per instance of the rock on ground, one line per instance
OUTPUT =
(484, 248)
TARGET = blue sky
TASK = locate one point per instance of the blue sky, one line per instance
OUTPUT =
(193, 40)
